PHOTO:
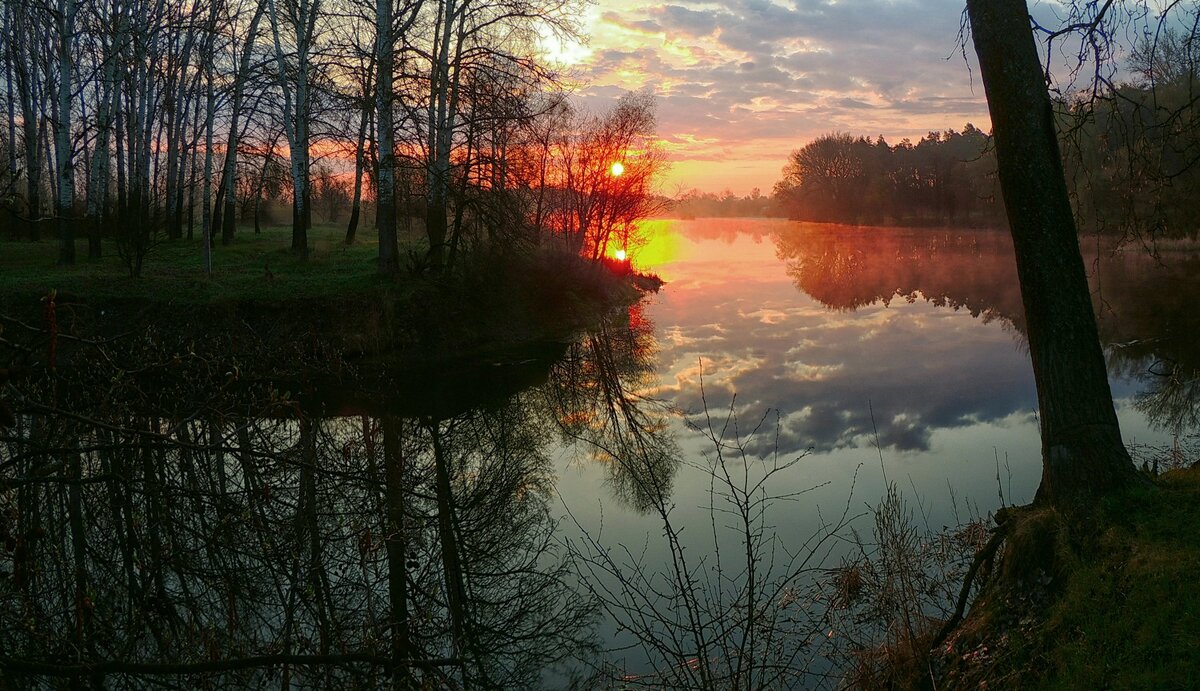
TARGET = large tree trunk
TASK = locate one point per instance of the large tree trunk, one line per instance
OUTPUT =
(1082, 452)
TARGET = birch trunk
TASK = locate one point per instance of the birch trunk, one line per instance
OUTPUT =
(62, 137)
(356, 202)
(386, 181)
(206, 197)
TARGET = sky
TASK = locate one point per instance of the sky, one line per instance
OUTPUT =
(742, 83)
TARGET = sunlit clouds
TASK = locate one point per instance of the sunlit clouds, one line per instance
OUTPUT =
(742, 83)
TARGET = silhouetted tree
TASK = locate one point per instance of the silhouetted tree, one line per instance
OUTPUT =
(1083, 455)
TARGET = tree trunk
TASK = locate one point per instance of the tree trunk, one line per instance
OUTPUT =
(10, 100)
(206, 198)
(33, 169)
(1082, 452)
(385, 183)
(62, 137)
(356, 202)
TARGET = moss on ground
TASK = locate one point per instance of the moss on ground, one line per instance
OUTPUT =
(1125, 613)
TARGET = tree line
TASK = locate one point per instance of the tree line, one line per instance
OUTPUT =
(946, 177)
(138, 121)
(1129, 149)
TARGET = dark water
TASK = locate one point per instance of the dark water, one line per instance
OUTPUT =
(466, 525)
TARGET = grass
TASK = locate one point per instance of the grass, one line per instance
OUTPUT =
(1130, 615)
(1126, 614)
(276, 302)
(258, 268)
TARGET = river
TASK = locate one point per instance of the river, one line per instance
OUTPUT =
(657, 501)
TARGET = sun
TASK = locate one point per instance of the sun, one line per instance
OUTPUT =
(617, 169)
(620, 255)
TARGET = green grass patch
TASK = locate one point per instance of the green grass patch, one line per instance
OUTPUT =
(283, 308)
(1127, 612)
(254, 268)
(1130, 615)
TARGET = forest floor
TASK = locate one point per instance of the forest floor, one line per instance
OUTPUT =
(254, 267)
(1111, 604)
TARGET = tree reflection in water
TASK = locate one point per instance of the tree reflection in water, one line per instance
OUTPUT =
(1144, 299)
(227, 534)
(171, 520)
(599, 396)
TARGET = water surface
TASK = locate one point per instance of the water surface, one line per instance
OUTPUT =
(452, 527)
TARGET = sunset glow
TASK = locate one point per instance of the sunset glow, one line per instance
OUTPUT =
(740, 84)
(618, 169)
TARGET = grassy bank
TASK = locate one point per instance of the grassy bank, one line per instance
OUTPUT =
(286, 315)
(1108, 605)
(255, 267)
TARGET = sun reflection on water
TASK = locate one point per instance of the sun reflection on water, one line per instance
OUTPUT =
(661, 245)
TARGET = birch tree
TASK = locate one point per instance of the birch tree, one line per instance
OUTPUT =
(227, 193)
(64, 206)
(386, 180)
(293, 79)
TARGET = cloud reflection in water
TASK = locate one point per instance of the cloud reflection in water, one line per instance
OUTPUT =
(826, 365)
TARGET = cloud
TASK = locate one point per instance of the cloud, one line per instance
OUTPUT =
(753, 79)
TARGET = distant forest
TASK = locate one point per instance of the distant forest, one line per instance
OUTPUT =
(947, 177)
(1131, 153)
(697, 204)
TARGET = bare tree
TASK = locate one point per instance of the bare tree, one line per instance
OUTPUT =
(1083, 455)
(300, 18)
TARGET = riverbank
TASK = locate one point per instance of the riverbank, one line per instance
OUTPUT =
(277, 316)
(1112, 604)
